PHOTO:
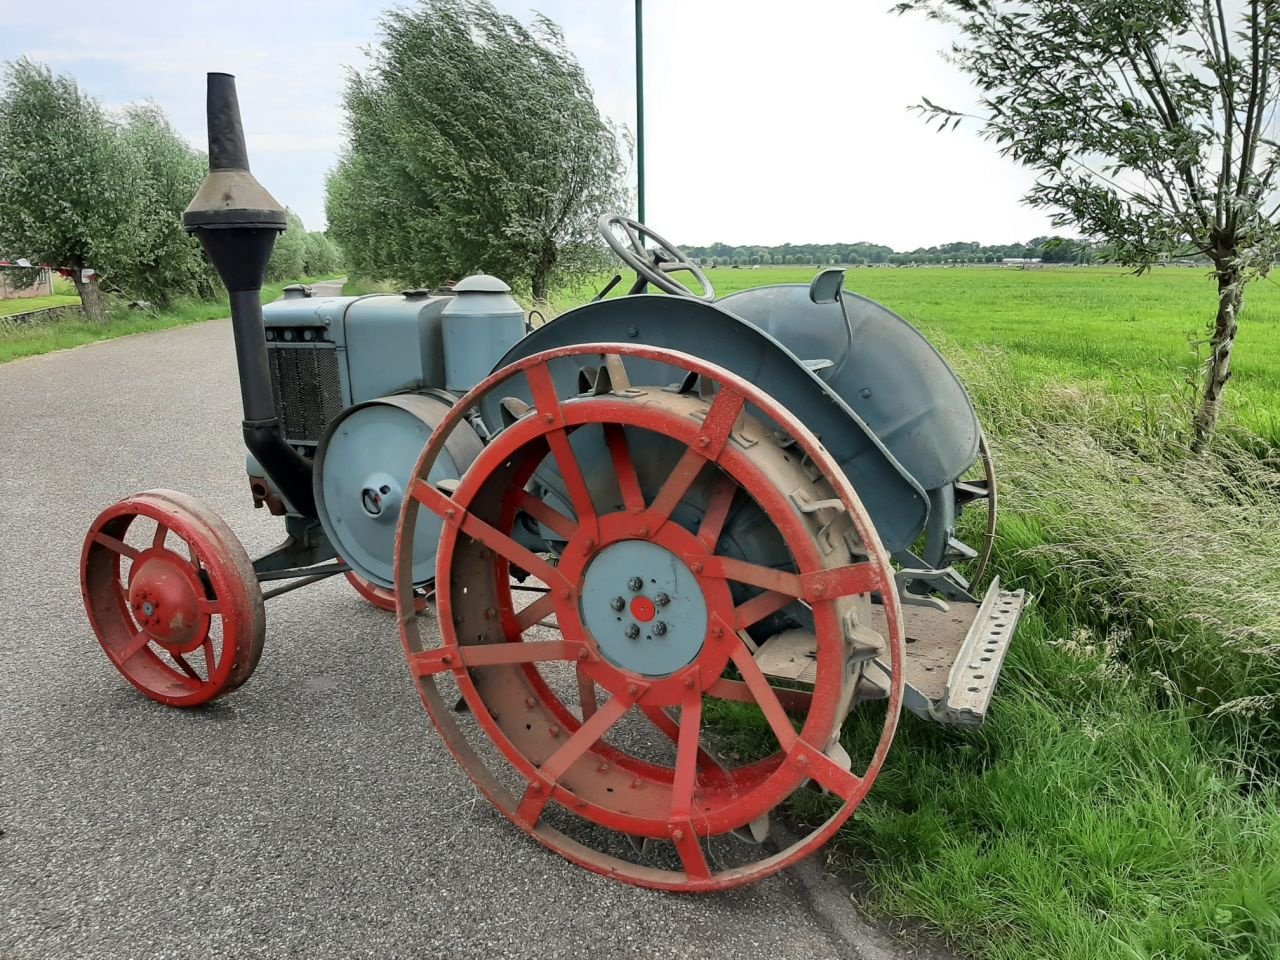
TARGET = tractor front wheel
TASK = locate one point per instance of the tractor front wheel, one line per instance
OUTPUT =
(172, 597)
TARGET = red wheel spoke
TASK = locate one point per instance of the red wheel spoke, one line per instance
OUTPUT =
(758, 607)
(766, 578)
(718, 503)
(664, 722)
(793, 701)
(720, 421)
(829, 774)
(547, 400)
(854, 578)
(570, 752)
(158, 540)
(116, 546)
(137, 643)
(535, 612)
(687, 750)
(210, 660)
(623, 468)
(711, 439)
(545, 514)
(764, 695)
(692, 857)
(185, 667)
(440, 659)
(491, 537)
(843, 581)
(210, 607)
(586, 693)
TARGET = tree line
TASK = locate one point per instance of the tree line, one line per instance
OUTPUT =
(84, 188)
(1048, 249)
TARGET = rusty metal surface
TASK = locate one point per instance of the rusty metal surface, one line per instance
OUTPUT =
(557, 760)
(186, 585)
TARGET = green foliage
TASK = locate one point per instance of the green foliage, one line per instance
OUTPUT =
(289, 256)
(68, 183)
(475, 145)
(321, 255)
(165, 261)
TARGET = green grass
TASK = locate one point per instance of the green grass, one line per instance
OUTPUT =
(21, 340)
(1121, 800)
(10, 307)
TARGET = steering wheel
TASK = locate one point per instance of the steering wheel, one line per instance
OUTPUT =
(657, 266)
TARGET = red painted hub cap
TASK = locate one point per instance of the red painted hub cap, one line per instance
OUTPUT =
(642, 609)
(164, 601)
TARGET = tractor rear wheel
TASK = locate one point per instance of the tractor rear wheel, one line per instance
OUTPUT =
(592, 707)
(172, 597)
(384, 598)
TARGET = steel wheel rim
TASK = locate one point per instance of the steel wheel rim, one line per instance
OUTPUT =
(384, 598)
(802, 760)
(210, 557)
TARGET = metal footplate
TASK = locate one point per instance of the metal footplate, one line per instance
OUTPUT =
(955, 650)
(976, 668)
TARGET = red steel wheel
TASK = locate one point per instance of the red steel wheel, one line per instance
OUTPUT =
(631, 561)
(164, 578)
(384, 598)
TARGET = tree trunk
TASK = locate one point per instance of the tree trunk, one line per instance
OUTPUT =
(1218, 368)
(92, 300)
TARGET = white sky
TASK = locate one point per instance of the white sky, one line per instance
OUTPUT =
(766, 121)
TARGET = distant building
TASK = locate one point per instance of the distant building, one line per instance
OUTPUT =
(43, 287)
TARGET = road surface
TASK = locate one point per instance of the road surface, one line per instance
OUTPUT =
(313, 813)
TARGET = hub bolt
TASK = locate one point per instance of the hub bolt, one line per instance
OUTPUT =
(617, 603)
(662, 599)
(659, 628)
(635, 584)
(632, 631)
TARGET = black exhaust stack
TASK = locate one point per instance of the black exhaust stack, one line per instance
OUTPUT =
(237, 222)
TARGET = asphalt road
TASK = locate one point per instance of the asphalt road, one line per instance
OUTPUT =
(312, 813)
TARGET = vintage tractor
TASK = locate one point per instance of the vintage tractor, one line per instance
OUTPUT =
(649, 525)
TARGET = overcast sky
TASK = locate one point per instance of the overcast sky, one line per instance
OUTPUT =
(766, 121)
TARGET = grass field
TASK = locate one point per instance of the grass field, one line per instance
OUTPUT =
(21, 340)
(10, 307)
(1120, 801)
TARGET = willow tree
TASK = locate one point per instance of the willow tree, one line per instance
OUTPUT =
(1150, 125)
(475, 143)
(67, 180)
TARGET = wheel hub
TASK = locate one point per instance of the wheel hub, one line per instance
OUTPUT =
(661, 628)
(164, 600)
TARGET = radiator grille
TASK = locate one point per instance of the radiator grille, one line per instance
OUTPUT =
(307, 388)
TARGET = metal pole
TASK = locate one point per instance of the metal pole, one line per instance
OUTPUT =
(640, 110)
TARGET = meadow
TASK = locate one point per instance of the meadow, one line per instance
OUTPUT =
(1121, 800)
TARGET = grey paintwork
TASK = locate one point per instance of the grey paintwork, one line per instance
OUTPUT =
(882, 367)
(362, 471)
(662, 576)
(897, 503)
(480, 324)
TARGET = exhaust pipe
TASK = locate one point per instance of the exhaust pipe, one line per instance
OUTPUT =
(237, 222)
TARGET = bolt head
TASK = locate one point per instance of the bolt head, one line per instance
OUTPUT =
(635, 584)
(632, 631)
(659, 628)
(661, 600)
(617, 603)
